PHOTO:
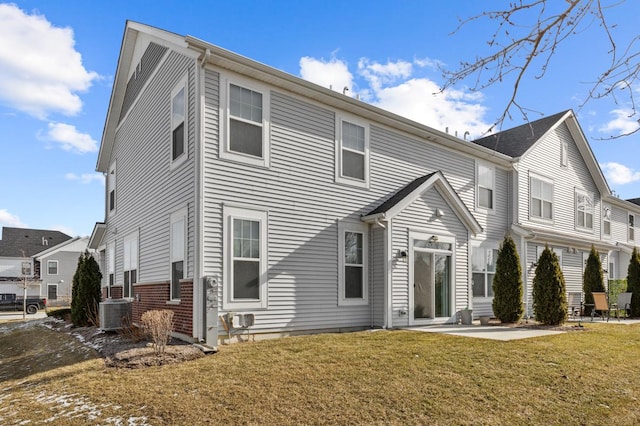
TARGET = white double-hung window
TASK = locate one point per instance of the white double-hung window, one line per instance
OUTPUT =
(245, 258)
(178, 122)
(606, 220)
(178, 251)
(352, 152)
(483, 269)
(352, 275)
(541, 198)
(584, 209)
(485, 185)
(247, 123)
(130, 250)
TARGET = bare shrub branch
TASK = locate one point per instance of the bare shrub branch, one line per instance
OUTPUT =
(158, 324)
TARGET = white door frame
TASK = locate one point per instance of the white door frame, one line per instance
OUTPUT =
(441, 238)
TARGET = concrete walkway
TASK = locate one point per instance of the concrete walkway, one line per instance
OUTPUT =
(499, 332)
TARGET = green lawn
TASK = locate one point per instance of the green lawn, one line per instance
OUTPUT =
(383, 377)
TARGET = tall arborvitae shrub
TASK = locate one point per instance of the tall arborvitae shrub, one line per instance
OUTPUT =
(85, 291)
(633, 282)
(549, 297)
(593, 280)
(507, 283)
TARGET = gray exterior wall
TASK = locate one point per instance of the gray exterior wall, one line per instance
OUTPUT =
(147, 189)
(67, 264)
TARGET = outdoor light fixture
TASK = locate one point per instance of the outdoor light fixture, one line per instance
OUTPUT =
(402, 255)
(433, 239)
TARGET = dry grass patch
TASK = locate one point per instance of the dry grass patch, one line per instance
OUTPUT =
(384, 377)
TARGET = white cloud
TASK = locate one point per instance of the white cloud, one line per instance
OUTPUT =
(624, 122)
(619, 174)
(64, 229)
(85, 178)
(333, 73)
(40, 70)
(395, 87)
(10, 220)
(69, 138)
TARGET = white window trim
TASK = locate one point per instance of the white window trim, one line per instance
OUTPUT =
(361, 228)
(576, 211)
(127, 240)
(111, 264)
(225, 113)
(606, 207)
(482, 245)
(338, 154)
(229, 213)
(564, 154)
(611, 273)
(553, 203)
(52, 285)
(112, 185)
(183, 84)
(57, 266)
(493, 186)
(631, 227)
(177, 216)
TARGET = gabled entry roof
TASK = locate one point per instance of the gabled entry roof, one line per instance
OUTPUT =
(414, 189)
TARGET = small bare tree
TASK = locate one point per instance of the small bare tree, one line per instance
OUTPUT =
(158, 324)
(529, 33)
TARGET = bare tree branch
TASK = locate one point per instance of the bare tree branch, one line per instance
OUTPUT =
(519, 50)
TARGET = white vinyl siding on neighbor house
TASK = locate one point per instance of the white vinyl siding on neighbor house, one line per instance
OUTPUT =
(352, 152)
(246, 126)
(130, 249)
(178, 240)
(179, 113)
(245, 258)
(52, 267)
(485, 179)
(584, 210)
(353, 280)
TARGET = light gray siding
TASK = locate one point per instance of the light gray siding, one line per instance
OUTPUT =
(147, 189)
(420, 216)
(377, 277)
(544, 160)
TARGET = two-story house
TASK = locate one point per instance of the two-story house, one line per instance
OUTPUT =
(233, 187)
(18, 265)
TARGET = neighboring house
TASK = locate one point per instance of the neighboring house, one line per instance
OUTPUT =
(58, 265)
(233, 187)
(17, 248)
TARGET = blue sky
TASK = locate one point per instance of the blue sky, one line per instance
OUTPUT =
(58, 60)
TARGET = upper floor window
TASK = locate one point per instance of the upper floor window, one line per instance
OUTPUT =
(178, 251)
(541, 192)
(564, 154)
(352, 153)
(486, 184)
(245, 258)
(178, 121)
(631, 234)
(584, 209)
(26, 269)
(130, 264)
(52, 267)
(247, 135)
(352, 283)
(111, 189)
(483, 269)
(606, 220)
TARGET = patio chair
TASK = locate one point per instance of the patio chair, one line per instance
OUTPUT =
(623, 304)
(601, 305)
(574, 302)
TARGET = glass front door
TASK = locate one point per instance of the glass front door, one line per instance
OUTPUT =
(431, 267)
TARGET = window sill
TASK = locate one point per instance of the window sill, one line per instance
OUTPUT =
(178, 162)
(173, 302)
(244, 158)
(352, 182)
(355, 302)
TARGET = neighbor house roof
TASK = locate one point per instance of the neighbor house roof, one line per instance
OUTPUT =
(516, 141)
(24, 242)
(635, 201)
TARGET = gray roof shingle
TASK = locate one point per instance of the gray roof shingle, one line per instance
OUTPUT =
(400, 195)
(515, 142)
(16, 241)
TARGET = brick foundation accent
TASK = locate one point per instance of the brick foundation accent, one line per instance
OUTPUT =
(150, 296)
(116, 292)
